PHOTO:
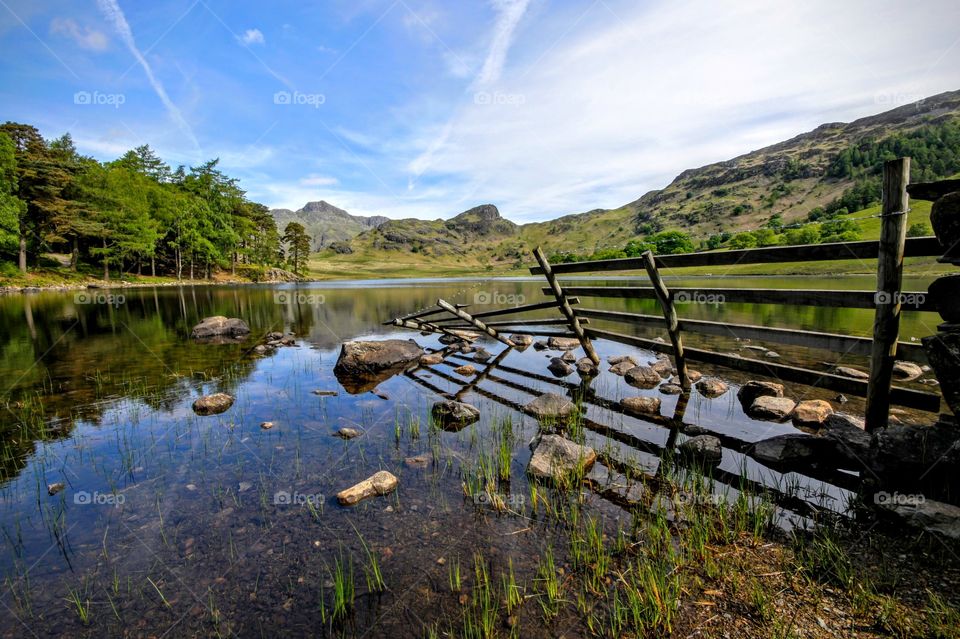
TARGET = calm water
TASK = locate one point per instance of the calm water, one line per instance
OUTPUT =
(185, 525)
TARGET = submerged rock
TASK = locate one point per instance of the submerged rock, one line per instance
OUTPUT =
(220, 326)
(363, 365)
(642, 404)
(482, 355)
(711, 387)
(380, 483)
(347, 433)
(54, 488)
(326, 393)
(418, 461)
(642, 377)
(212, 404)
(771, 408)
(551, 406)
(449, 413)
(555, 456)
(267, 425)
(705, 449)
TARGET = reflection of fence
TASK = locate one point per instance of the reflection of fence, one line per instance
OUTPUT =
(887, 300)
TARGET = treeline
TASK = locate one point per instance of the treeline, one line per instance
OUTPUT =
(135, 213)
(934, 149)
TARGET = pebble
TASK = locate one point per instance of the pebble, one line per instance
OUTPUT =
(266, 425)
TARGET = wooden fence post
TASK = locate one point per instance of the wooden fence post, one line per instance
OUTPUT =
(669, 314)
(480, 326)
(565, 307)
(886, 323)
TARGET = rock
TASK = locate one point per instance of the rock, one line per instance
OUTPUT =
(754, 347)
(212, 404)
(453, 415)
(267, 425)
(288, 341)
(521, 340)
(846, 371)
(771, 408)
(326, 393)
(569, 357)
(772, 355)
(419, 461)
(362, 365)
(559, 368)
(563, 343)
(220, 326)
(902, 451)
(670, 389)
(794, 449)
(906, 371)
(613, 360)
(347, 433)
(540, 345)
(380, 483)
(944, 293)
(555, 456)
(482, 355)
(853, 442)
(694, 376)
(274, 336)
(702, 448)
(431, 359)
(841, 398)
(454, 336)
(467, 370)
(642, 377)
(622, 366)
(551, 406)
(754, 389)
(260, 349)
(943, 351)
(811, 413)
(586, 367)
(54, 488)
(644, 405)
(840, 421)
(711, 387)
(662, 366)
(945, 220)
(925, 514)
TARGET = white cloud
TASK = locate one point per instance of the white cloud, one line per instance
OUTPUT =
(315, 179)
(85, 37)
(111, 10)
(509, 14)
(251, 36)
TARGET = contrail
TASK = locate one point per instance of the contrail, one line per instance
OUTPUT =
(111, 10)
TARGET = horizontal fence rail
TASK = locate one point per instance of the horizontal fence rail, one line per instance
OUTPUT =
(866, 250)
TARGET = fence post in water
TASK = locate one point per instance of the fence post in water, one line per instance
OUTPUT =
(669, 314)
(565, 307)
(450, 308)
(886, 323)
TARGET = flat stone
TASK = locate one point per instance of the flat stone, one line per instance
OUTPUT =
(711, 387)
(642, 377)
(663, 366)
(702, 448)
(811, 413)
(431, 359)
(551, 406)
(613, 360)
(419, 461)
(906, 371)
(847, 371)
(521, 340)
(754, 389)
(218, 326)
(771, 408)
(362, 365)
(563, 343)
(559, 368)
(482, 355)
(644, 405)
(555, 456)
(569, 357)
(449, 413)
(212, 404)
(925, 514)
(326, 393)
(794, 449)
(267, 425)
(347, 433)
(622, 366)
(380, 483)
(467, 370)
(670, 389)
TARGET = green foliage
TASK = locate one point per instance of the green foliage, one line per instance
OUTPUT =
(766, 237)
(920, 229)
(743, 240)
(671, 242)
(934, 148)
(807, 234)
(717, 240)
(297, 244)
(11, 207)
(840, 231)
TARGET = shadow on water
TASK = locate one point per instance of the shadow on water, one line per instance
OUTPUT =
(172, 522)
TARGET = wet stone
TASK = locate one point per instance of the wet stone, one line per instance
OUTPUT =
(551, 406)
(347, 433)
(771, 408)
(703, 449)
(644, 405)
(811, 413)
(555, 456)
(380, 483)
(559, 368)
(711, 387)
(467, 370)
(212, 404)
(452, 413)
(754, 389)
(642, 377)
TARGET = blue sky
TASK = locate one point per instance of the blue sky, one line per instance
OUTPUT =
(424, 108)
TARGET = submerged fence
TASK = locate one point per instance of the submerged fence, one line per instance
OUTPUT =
(887, 301)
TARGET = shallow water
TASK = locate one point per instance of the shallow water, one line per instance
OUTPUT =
(185, 525)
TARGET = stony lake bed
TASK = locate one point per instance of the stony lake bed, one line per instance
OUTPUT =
(127, 511)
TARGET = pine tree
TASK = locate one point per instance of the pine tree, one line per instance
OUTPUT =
(297, 246)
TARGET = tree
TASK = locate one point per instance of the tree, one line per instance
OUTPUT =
(672, 242)
(297, 246)
(743, 240)
(806, 234)
(920, 229)
(11, 207)
(766, 237)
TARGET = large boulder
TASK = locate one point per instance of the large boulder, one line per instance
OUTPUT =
(551, 406)
(220, 326)
(380, 483)
(771, 408)
(900, 450)
(363, 365)
(642, 377)
(754, 389)
(555, 457)
(212, 404)
(453, 415)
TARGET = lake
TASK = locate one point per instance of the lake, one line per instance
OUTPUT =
(173, 524)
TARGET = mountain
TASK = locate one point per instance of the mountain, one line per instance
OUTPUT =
(832, 167)
(326, 223)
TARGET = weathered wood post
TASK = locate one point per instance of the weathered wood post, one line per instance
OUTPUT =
(669, 314)
(450, 308)
(886, 323)
(565, 307)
